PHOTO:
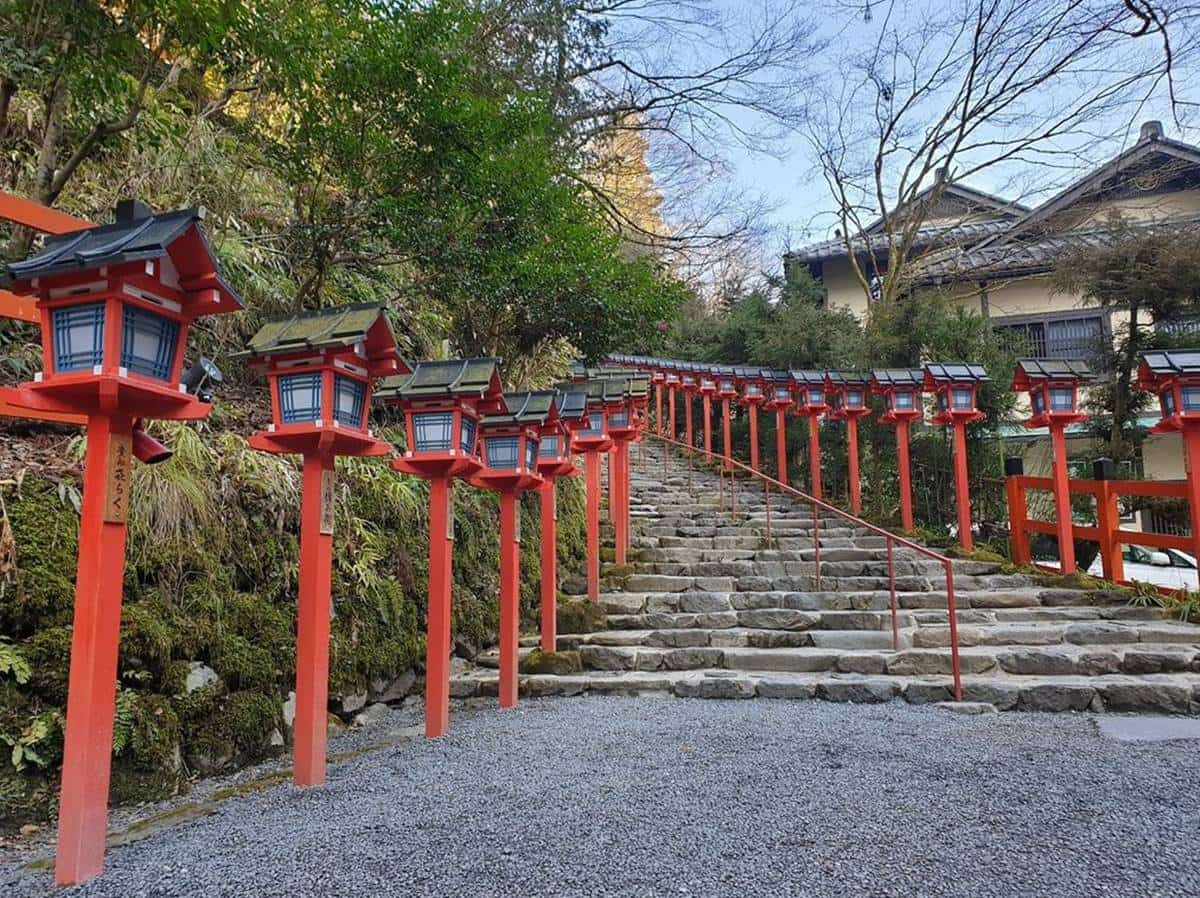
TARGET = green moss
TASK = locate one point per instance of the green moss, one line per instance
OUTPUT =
(237, 732)
(49, 654)
(979, 554)
(580, 616)
(147, 636)
(557, 663)
(242, 664)
(42, 591)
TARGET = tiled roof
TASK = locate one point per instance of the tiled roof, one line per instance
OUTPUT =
(931, 235)
(455, 377)
(1054, 369)
(847, 378)
(898, 377)
(334, 326)
(1180, 361)
(572, 402)
(1033, 257)
(956, 373)
(525, 408)
(122, 241)
(813, 378)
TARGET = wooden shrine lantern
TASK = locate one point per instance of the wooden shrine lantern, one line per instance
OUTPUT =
(812, 403)
(847, 393)
(955, 387)
(442, 403)
(903, 403)
(115, 304)
(320, 367)
(777, 387)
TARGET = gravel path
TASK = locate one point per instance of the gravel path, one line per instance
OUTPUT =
(659, 797)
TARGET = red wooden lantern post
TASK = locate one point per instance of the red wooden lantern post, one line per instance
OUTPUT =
(778, 388)
(658, 377)
(554, 461)
(708, 389)
(954, 388)
(441, 401)
(848, 402)
(592, 439)
(903, 403)
(811, 404)
(749, 380)
(625, 426)
(727, 390)
(689, 383)
(672, 385)
(320, 367)
(510, 438)
(115, 304)
(1053, 388)
(1175, 377)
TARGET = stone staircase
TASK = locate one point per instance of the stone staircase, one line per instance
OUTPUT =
(709, 608)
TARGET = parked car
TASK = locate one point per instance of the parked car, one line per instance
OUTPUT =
(1162, 567)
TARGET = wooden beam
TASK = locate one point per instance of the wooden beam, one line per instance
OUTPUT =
(22, 211)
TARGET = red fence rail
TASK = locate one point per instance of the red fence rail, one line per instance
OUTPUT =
(1107, 530)
(731, 466)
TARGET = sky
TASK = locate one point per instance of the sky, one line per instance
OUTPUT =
(794, 185)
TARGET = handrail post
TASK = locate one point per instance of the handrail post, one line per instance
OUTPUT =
(952, 610)
(720, 490)
(733, 490)
(1018, 513)
(891, 563)
(817, 541)
(689, 455)
(767, 506)
(1108, 520)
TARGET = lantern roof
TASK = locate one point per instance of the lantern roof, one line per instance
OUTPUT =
(810, 378)
(1171, 363)
(603, 389)
(324, 328)
(1031, 371)
(887, 378)
(137, 234)
(478, 377)
(776, 375)
(745, 372)
(937, 373)
(846, 379)
(637, 386)
(572, 403)
(536, 407)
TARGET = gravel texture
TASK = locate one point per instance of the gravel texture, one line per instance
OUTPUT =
(660, 797)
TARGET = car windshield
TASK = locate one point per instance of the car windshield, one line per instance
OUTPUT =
(1178, 559)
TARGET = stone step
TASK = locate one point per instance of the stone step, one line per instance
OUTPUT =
(870, 567)
(852, 652)
(1177, 693)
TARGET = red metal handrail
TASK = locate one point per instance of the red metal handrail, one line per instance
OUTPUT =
(818, 505)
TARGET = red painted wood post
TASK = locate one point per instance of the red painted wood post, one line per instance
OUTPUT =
(626, 462)
(707, 425)
(754, 436)
(437, 640)
(781, 445)
(658, 408)
(549, 553)
(312, 628)
(671, 403)
(616, 497)
(814, 453)
(1108, 521)
(92, 688)
(687, 419)
(1062, 498)
(591, 471)
(1191, 444)
(510, 596)
(905, 472)
(728, 436)
(962, 486)
(1018, 517)
(852, 452)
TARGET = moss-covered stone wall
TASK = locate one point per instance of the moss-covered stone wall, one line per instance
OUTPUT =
(207, 628)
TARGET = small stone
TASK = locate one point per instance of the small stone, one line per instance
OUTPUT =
(289, 710)
(918, 693)
(277, 739)
(1056, 697)
(968, 707)
(354, 701)
(397, 690)
(30, 828)
(858, 691)
(371, 714)
(770, 687)
(553, 663)
(199, 676)
(715, 687)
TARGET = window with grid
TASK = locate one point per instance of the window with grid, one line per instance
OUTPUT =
(618, 419)
(466, 436)
(348, 398)
(1053, 338)
(501, 452)
(548, 447)
(964, 398)
(299, 398)
(595, 425)
(148, 343)
(78, 337)
(432, 430)
(531, 451)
